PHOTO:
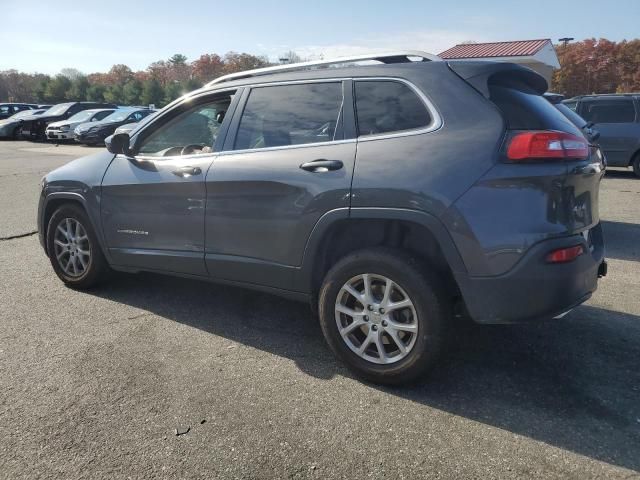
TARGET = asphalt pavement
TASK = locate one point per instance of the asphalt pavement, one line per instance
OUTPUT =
(95, 384)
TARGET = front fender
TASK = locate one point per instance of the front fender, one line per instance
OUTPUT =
(78, 181)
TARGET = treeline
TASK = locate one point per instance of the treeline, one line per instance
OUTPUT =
(589, 66)
(162, 82)
(597, 66)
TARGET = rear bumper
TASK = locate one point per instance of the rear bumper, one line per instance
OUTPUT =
(534, 289)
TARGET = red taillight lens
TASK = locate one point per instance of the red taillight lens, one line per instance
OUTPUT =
(547, 145)
(564, 255)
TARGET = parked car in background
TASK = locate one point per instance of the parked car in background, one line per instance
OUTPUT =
(34, 128)
(9, 109)
(63, 130)
(10, 127)
(556, 100)
(129, 127)
(617, 118)
(95, 133)
(376, 193)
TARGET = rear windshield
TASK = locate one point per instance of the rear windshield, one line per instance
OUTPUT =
(524, 109)
(59, 109)
(576, 119)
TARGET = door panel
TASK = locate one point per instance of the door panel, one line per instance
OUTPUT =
(262, 206)
(153, 213)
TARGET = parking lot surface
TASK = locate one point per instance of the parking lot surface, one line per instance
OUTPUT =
(95, 384)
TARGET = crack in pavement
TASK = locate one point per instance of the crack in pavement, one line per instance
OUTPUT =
(19, 235)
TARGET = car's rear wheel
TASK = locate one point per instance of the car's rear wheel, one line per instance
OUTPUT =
(383, 315)
(73, 248)
(636, 164)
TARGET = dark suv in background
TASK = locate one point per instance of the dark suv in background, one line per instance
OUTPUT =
(35, 127)
(95, 133)
(389, 196)
(617, 118)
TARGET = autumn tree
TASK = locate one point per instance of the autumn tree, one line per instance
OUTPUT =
(237, 62)
(207, 67)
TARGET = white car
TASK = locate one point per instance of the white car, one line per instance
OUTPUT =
(63, 130)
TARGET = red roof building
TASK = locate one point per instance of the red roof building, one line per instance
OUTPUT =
(538, 55)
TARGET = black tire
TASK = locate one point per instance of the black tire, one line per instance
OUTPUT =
(429, 298)
(96, 269)
(636, 165)
(16, 133)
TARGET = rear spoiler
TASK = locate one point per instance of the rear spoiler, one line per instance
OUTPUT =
(479, 74)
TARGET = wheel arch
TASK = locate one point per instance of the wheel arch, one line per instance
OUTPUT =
(341, 232)
(54, 201)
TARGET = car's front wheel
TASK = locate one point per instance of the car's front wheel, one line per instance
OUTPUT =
(384, 315)
(73, 248)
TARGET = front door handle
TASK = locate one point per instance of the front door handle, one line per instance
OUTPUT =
(322, 165)
(185, 172)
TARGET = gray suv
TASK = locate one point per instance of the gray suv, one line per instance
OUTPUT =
(390, 196)
(617, 118)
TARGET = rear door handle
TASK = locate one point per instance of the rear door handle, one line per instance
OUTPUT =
(187, 171)
(322, 165)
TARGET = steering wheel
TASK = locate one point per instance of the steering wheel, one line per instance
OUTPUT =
(172, 151)
(189, 149)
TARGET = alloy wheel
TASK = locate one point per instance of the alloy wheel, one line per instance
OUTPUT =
(376, 318)
(72, 247)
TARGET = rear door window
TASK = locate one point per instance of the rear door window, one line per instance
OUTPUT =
(620, 110)
(286, 115)
(387, 106)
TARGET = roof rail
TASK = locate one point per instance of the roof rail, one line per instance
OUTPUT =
(400, 56)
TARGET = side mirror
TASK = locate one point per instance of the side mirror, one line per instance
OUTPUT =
(118, 144)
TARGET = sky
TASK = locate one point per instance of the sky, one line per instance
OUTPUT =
(45, 36)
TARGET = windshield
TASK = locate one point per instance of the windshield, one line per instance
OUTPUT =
(118, 116)
(58, 109)
(82, 116)
(26, 113)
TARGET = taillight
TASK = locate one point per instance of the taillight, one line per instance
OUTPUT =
(564, 255)
(551, 145)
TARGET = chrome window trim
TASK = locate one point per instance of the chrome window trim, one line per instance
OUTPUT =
(436, 119)
(287, 147)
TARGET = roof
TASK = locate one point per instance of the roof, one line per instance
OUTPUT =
(519, 48)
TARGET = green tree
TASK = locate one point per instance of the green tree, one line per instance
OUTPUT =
(95, 93)
(178, 59)
(113, 94)
(152, 92)
(172, 91)
(78, 90)
(192, 84)
(40, 88)
(131, 92)
(57, 88)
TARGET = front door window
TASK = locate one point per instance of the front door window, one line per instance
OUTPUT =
(191, 132)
